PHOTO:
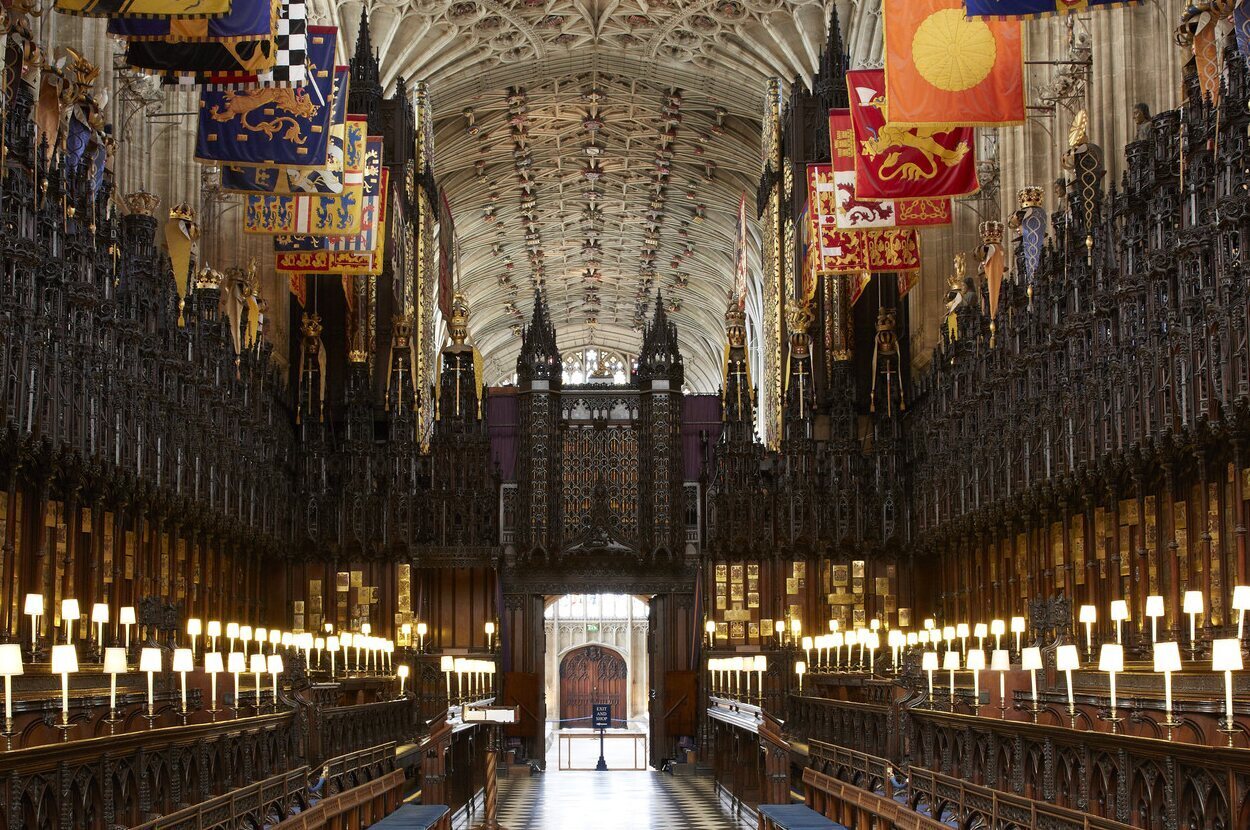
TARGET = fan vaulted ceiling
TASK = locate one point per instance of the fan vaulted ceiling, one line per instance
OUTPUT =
(597, 148)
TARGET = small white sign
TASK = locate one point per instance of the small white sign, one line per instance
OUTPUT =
(490, 714)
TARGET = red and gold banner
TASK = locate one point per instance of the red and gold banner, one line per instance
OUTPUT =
(894, 162)
(853, 212)
(943, 68)
(835, 250)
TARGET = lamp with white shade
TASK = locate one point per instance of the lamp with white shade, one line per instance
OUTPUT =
(806, 645)
(10, 667)
(976, 664)
(490, 635)
(1017, 628)
(33, 608)
(1000, 661)
(896, 639)
(1031, 661)
(232, 634)
(213, 631)
(126, 617)
(114, 664)
(981, 631)
(998, 628)
(100, 616)
(212, 667)
(332, 646)
(1154, 610)
(929, 663)
(70, 613)
(150, 663)
(64, 663)
(256, 664)
(1111, 660)
(962, 632)
(447, 665)
(1167, 659)
(800, 668)
(760, 664)
(779, 628)
(274, 664)
(236, 664)
(1068, 660)
(195, 627)
(422, 629)
(403, 675)
(836, 639)
(1088, 615)
(184, 661)
(275, 639)
(1193, 606)
(245, 635)
(1241, 604)
(1119, 613)
(1226, 658)
(950, 663)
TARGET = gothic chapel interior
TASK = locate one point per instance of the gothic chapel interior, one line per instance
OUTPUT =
(609, 414)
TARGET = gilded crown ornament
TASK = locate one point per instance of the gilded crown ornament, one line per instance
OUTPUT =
(1030, 196)
(735, 325)
(208, 277)
(401, 327)
(142, 203)
(991, 232)
(310, 325)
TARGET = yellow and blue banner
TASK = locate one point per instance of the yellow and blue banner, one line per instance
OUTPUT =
(355, 254)
(247, 20)
(273, 126)
(147, 8)
(310, 215)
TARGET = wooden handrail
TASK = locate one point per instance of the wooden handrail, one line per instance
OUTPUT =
(278, 797)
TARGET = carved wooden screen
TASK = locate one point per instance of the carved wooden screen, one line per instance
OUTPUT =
(589, 675)
(600, 457)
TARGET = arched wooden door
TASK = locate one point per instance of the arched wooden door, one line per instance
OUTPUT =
(590, 675)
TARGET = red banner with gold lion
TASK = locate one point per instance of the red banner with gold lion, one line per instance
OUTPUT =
(893, 162)
(854, 212)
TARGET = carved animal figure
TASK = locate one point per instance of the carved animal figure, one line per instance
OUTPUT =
(921, 139)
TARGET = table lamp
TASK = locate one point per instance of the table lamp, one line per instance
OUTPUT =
(232, 634)
(213, 631)
(961, 631)
(212, 667)
(64, 663)
(447, 665)
(69, 617)
(1154, 610)
(913, 638)
(126, 617)
(275, 639)
(1000, 661)
(332, 646)
(1067, 660)
(194, 629)
(422, 628)
(150, 662)
(287, 639)
(998, 628)
(262, 637)
(1111, 660)
(1193, 607)
(274, 663)
(405, 631)
(245, 635)
(1167, 659)
(836, 639)
(1241, 604)
(320, 644)
(833, 625)
(874, 643)
(806, 645)
(33, 608)
(761, 665)
(929, 663)
(779, 628)
(950, 663)
(1088, 616)
(403, 675)
(490, 635)
(1226, 657)
(1119, 613)
(895, 640)
(10, 667)
(800, 668)
(257, 665)
(1031, 661)
(981, 631)
(114, 664)
(1017, 628)
(236, 664)
(976, 664)
(100, 616)
(184, 661)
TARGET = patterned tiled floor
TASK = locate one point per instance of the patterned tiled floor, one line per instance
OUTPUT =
(616, 800)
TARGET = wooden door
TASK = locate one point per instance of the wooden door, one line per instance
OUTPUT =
(590, 675)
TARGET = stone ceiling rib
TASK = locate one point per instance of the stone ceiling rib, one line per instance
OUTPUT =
(671, 94)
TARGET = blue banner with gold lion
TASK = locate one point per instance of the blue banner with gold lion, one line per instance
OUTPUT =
(273, 127)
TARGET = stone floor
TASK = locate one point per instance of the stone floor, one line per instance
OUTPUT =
(617, 800)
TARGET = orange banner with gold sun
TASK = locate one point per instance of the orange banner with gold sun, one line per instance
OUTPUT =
(943, 68)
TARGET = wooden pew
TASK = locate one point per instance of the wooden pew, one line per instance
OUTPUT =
(355, 809)
(859, 809)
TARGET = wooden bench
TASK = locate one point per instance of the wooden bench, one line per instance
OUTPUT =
(856, 809)
(417, 817)
(355, 809)
(794, 817)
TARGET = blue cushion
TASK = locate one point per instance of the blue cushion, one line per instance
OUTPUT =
(412, 817)
(798, 817)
